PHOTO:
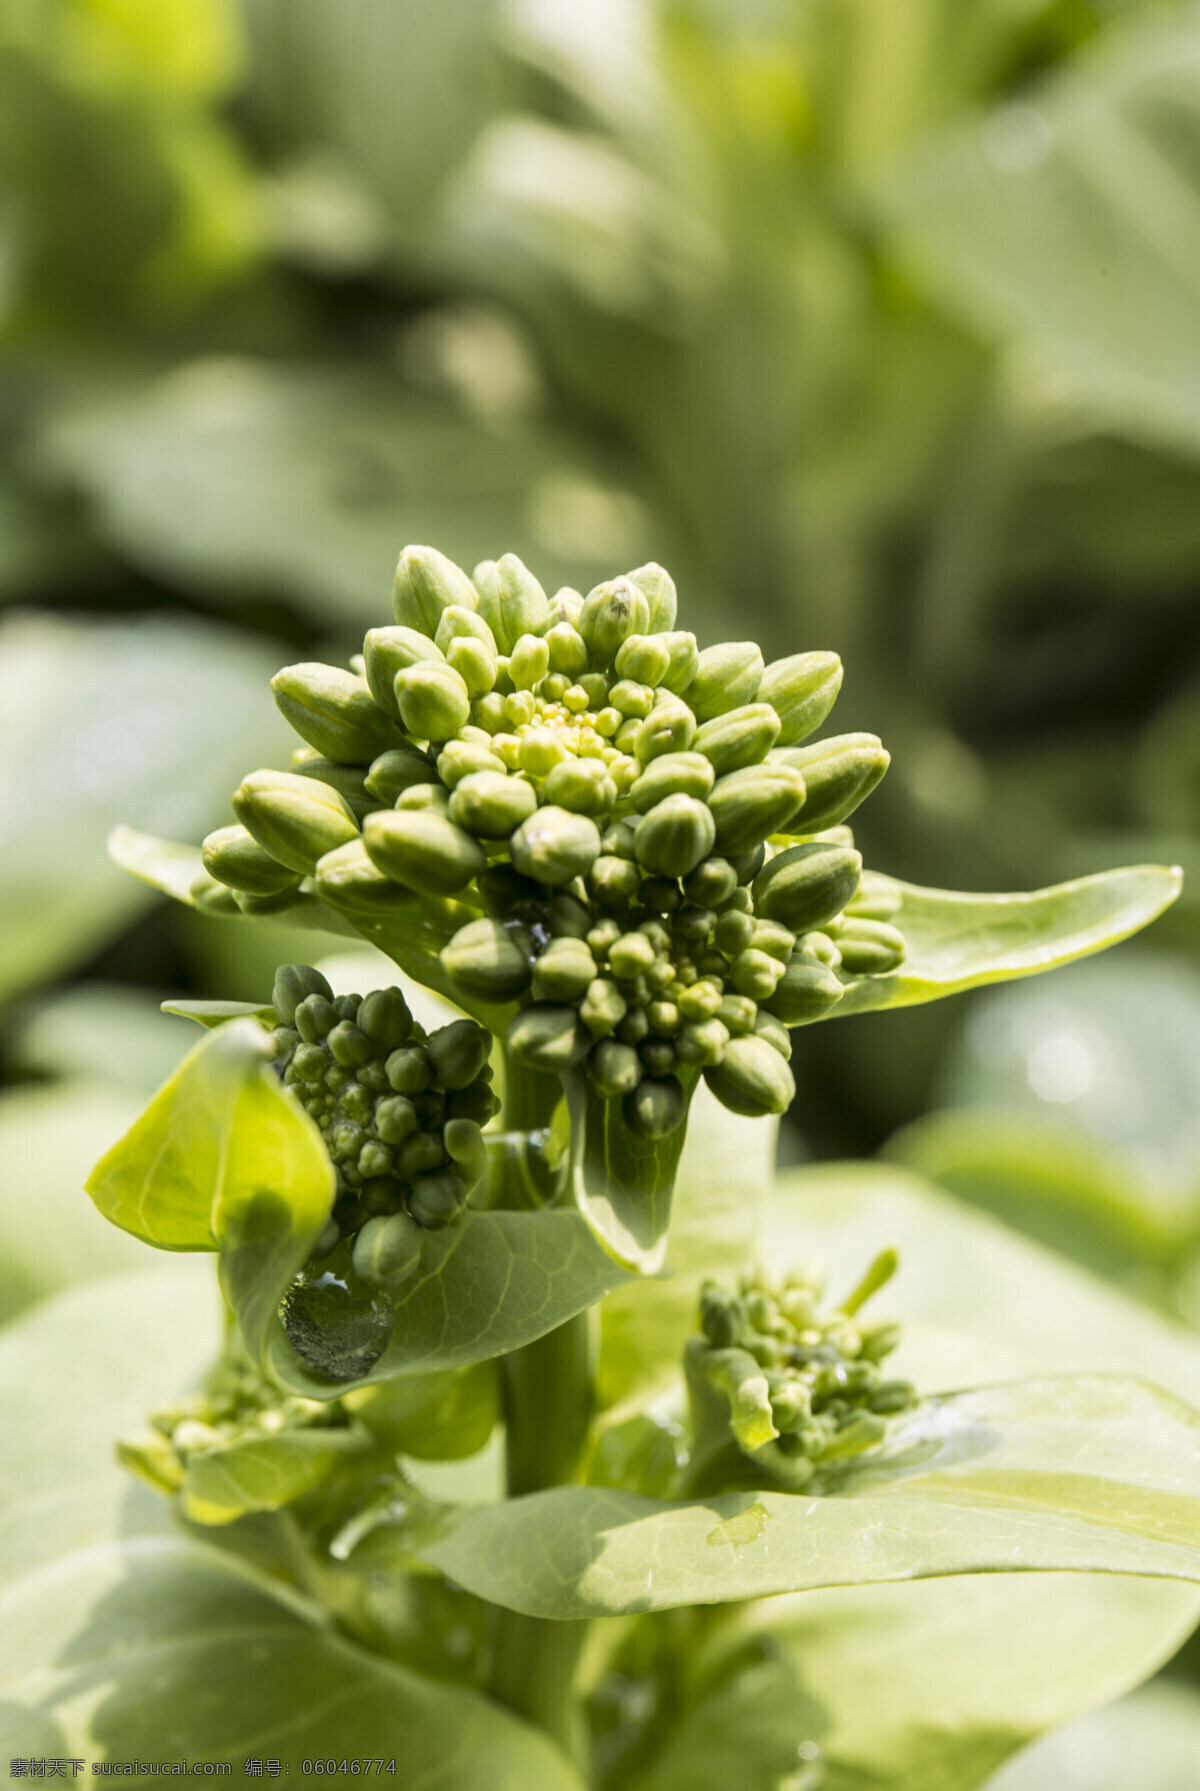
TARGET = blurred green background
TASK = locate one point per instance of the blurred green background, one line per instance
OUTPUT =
(875, 320)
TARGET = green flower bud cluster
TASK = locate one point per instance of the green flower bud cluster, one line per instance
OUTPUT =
(400, 1110)
(801, 1390)
(654, 864)
(235, 1405)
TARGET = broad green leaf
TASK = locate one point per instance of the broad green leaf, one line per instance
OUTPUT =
(49, 1235)
(500, 1280)
(1087, 1473)
(1067, 220)
(1150, 1739)
(721, 1187)
(172, 869)
(219, 1141)
(210, 1014)
(975, 1300)
(444, 1416)
(263, 1473)
(931, 1684)
(622, 1184)
(151, 720)
(76, 1373)
(412, 943)
(958, 941)
(160, 1647)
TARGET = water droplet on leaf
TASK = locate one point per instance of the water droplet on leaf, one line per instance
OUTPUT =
(337, 1327)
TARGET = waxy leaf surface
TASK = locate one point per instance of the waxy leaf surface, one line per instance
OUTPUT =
(127, 1653)
(219, 1139)
(500, 1280)
(1083, 1473)
(117, 1637)
(931, 1684)
(958, 941)
(82, 1369)
(621, 1183)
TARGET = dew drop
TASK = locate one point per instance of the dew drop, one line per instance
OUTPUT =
(335, 1325)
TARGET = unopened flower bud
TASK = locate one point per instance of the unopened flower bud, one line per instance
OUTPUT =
(670, 727)
(702, 1042)
(870, 947)
(655, 1107)
(563, 971)
(456, 623)
(603, 1007)
(475, 664)
(644, 658)
(439, 1200)
(387, 651)
(387, 1251)
(767, 1027)
(407, 1069)
(711, 884)
(613, 881)
(549, 1038)
(426, 583)
(347, 880)
(737, 1014)
(755, 974)
(423, 799)
(751, 1078)
(426, 852)
(467, 1150)
(672, 774)
(727, 676)
(511, 600)
(802, 690)
(459, 758)
(398, 770)
(554, 846)
(740, 737)
(433, 700)
(838, 773)
(457, 1053)
(615, 1069)
(490, 804)
(806, 991)
(610, 614)
(684, 657)
(807, 885)
(334, 711)
(295, 819)
(567, 649)
(675, 836)
(658, 588)
(488, 960)
(349, 781)
(529, 662)
(234, 857)
(293, 982)
(385, 1017)
(750, 805)
(581, 785)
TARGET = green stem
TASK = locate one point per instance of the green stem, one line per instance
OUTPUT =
(548, 1394)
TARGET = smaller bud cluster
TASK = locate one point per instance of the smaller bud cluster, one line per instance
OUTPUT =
(400, 1110)
(800, 1391)
(235, 1406)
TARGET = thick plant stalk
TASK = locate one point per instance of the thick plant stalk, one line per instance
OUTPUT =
(548, 1395)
